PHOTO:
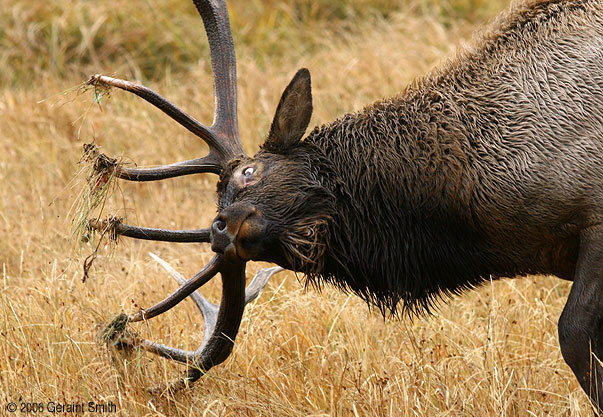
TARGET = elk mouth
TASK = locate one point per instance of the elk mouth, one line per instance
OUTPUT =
(237, 231)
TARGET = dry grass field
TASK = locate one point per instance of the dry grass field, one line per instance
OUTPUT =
(300, 352)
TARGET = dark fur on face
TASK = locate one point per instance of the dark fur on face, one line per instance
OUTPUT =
(297, 210)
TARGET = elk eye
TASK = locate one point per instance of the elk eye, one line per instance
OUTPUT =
(248, 172)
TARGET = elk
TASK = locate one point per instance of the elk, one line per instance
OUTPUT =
(490, 166)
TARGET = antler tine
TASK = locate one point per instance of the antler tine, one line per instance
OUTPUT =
(219, 150)
(259, 281)
(223, 60)
(116, 228)
(209, 163)
(209, 310)
(158, 101)
(211, 269)
(213, 162)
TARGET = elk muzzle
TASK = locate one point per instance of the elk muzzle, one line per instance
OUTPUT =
(237, 231)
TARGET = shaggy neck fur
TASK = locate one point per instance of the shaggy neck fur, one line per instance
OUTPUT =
(430, 188)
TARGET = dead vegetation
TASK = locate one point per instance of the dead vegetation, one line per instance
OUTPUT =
(493, 351)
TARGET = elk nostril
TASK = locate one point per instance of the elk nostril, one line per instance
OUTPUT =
(219, 225)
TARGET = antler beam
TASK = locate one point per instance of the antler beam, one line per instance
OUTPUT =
(223, 61)
(218, 346)
(219, 323)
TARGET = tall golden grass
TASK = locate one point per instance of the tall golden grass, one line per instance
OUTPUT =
(493, 351)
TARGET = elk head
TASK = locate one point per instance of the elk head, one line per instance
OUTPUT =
(264, 200)
(272, 207)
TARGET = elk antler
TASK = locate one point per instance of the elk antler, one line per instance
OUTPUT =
(209, 311)
(222, 137)
(216, 345)
(211, 316)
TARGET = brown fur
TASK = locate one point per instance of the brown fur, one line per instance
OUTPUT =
(491, 166)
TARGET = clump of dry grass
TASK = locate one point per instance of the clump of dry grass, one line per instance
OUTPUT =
(493, 351)
(114, 328)
(101, 171)
(117, 337)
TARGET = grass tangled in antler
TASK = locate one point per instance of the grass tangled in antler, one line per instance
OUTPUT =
(113, 330)
(101, 89)
(99, 169)
(100, 173)
(116, 335)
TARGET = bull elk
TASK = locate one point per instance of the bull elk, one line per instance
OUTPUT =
(490, 166)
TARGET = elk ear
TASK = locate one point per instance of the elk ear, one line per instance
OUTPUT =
(292, 114)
